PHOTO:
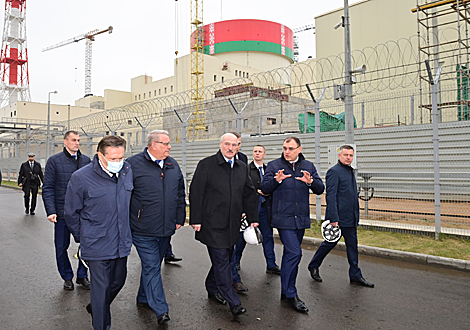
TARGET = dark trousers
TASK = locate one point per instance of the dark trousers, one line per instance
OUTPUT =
(268, 244)
(169, 250)
(62, 243)
(106, 280)
(350, 238)
(151, 251)
(291, 255)
(32, 190)
(219, 278)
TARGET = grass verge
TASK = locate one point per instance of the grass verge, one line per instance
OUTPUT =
(446, 246)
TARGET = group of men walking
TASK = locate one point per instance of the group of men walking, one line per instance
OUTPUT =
(107, 204)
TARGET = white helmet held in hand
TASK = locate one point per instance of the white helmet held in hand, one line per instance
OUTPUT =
(330, 233)
(253, 236)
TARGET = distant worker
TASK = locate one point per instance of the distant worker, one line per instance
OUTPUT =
(288, 179)
(59, 169)
(97, 213)
(29, 179)
(221, 190)
(342, 208)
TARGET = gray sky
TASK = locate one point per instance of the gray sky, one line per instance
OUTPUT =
(143, 41)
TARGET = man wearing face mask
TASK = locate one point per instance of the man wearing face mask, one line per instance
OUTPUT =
(97, 213)
(158, 208)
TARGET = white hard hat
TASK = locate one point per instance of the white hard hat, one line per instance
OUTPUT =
(253, 236)
(330, 233)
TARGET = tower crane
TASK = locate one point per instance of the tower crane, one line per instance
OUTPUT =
(296, 38)
(89, 37)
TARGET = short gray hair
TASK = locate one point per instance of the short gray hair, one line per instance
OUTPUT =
(227, 134)
(154, 136)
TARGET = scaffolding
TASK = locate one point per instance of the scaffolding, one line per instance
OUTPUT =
(443, 39)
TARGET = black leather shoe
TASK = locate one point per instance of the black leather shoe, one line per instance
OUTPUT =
(217, 297)
(238, 265)
(274, 270)
(297, 304)
(283, 296)
(26, 212)
(239, 287)
(32, 212)
(238, 310)
(163, 318)
(88, 309)
(68, 284)
(84, 282)
(172, 258)
(315, 273)
(362, 282)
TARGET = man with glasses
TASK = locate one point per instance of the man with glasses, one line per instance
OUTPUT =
(288, 180)
(158, 208)
(97, 213)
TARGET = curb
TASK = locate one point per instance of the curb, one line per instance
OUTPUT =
(417, 258)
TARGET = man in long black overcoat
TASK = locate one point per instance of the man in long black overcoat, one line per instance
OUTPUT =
(221, 190)
(30, 177)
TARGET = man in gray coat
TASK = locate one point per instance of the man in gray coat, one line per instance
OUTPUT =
(221, 190)
(342, 208)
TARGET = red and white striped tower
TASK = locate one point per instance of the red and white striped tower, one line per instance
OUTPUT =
(14, 78)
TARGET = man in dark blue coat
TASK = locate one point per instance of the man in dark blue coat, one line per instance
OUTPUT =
(342, 208)
(288, 179)
(59, 169)
(158, 208)
(221, 190)
(97, 213)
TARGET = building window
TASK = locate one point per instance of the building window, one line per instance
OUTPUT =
(159, 91)
(155, 93)
(247, 74)
(135, 97)
(245, 123)
(222, 78)
(139, 97)
(243, 74)
(271, 121)
(215, 77)
(165, 90)
(236, 72)
(171, 88)
(57, 112)
(150, 94)
(122, 133)
(230, 124)
(144, 96)
(14, 113)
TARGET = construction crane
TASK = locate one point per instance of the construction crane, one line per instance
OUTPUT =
(296, 39)
(90, 37)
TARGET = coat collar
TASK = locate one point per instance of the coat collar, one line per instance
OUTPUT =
(67, 153)
(98, 170)
(221, 160)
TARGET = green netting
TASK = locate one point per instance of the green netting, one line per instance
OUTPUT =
(462, 92)
(328, 122)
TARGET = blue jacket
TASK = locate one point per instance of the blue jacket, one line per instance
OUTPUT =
(97, 211)
(59, 169)
(158, 200)
(342, 204)
(290, 198)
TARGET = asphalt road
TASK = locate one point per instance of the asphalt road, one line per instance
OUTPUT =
(406, 296)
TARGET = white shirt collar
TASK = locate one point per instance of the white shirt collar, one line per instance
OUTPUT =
(226, 159)
(106, 170)
(154, 159)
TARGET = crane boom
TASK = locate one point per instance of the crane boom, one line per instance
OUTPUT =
(89, 36)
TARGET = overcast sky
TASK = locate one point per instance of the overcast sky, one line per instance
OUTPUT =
(145, 37)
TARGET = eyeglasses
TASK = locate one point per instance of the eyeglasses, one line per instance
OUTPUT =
(290, 149)
(166, 144)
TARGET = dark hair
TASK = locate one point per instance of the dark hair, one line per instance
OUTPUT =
(346, 146)
(66, 135)
(296, 139)
(110, 141)
(236, 134)
(259, 145)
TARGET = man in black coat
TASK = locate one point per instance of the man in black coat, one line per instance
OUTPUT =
(221, 190)
(29, 179)
(342, 208)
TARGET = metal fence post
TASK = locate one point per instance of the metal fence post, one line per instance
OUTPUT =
(306, 120)
(412, 109)
(260, 125)
(363, 114)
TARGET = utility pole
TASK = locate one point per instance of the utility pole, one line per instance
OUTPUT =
(348, 92)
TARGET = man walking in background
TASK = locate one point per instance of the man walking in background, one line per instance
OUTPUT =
(158, 208)
(97, 213)
(59, 169)
(342, 208)
(29, 179)
(288, 179)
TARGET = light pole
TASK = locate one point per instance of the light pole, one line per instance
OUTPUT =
(49, 122)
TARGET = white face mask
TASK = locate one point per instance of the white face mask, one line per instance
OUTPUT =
(114, 167)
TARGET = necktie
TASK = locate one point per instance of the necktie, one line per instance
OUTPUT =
(261, 172)
(32, 165)
(293, 166)
(158, 162)
(230, 162)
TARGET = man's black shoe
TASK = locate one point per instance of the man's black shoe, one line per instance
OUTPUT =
(84, 282)
(88, 309)
(238, 310)
(239, 287)
(171, 258)
(297, 304)
(238, 265)
(32, 212)
(26, 212)
(163, 318)
(315, 273)
(362, 282)
(68, 284)
(217, 297)
(274, 270)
